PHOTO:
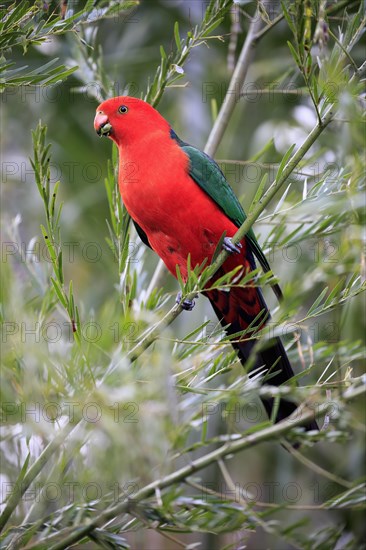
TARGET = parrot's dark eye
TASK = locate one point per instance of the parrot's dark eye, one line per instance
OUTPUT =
(122, 109)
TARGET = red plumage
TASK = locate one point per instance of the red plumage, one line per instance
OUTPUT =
(178, 218)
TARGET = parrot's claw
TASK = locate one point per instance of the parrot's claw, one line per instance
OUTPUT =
(230, 247)
(187, 305)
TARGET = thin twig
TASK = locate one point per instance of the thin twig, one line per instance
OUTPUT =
(236, 84)
(234, 33)
(268, 27)
(230, 483)
(260, 504)
(316, 468)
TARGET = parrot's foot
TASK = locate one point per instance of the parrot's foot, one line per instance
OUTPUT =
(187, 305)
(230, 247)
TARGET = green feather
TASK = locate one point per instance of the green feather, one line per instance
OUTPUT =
(207, 174)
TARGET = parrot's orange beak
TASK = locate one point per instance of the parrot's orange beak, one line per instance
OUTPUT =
(102, 125)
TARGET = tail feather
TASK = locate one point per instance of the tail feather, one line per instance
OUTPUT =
(236, 310)
(283, 373)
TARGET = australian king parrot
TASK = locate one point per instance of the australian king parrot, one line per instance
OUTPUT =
(181, 204)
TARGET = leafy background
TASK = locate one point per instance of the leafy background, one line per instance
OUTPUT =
(132, 423)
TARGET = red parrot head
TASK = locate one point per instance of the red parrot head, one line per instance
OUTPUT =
(125, 119)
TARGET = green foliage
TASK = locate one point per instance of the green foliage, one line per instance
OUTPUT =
(51, 233)
(115, 422)
(24, 24)
(171, 66)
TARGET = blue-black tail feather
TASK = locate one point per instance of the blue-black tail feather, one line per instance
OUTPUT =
(273, 357)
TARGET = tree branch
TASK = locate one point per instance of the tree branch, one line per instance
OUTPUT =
(236, 83)
(126, 506)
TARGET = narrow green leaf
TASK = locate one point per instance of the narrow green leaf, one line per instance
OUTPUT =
(179, 277)
(259, 191)
(295, 55)
(177, 36)
(204, 430)
(317, 301)
(162, 53)
(49, 244)
(59, 267)
(288, 18)
(291, 235)
(24, 469)
(53, 199)
(218, 248)
(227, 278)
(284, 160)
(71, 301)
(212, 27)
(261, 152)
(334, 292)
(59, 292)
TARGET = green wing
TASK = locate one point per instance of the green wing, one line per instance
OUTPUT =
(207, 174)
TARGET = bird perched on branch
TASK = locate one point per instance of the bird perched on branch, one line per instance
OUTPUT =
(182, 205)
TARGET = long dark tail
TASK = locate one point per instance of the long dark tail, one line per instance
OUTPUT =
(236, 310)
